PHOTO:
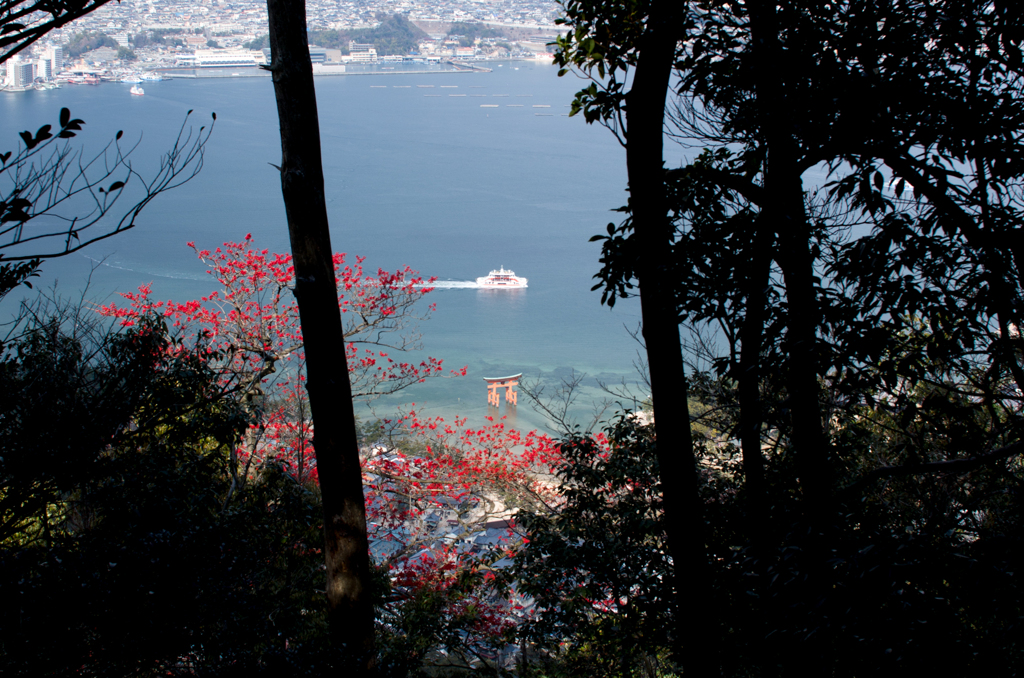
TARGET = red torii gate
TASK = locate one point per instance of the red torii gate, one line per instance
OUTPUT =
(509, 384)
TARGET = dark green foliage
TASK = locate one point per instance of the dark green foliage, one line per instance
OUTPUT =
(394, 35)
(891, 542)
(125, 54)
(87, 41)
(140, 40)
(469, 33)
(917, 572)
(126, 548)
(597, 567)
(258, 43)
(124, 551)
(920, 574)
(432, 626)
(14, 274)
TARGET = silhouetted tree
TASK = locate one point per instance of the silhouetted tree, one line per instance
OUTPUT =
(335, 436)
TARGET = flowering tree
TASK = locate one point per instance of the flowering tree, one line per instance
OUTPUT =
(440, 501)
(253, 319)
(432, 486)
(493, 468)
(251, 329)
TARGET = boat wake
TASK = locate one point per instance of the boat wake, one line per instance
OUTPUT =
(477, 284)
(452, 285)
(171, 276)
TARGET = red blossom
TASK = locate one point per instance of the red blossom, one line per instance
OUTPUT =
(250, 327)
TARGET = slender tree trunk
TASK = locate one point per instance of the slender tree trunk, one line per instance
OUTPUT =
(803, 390)
(751, 420)
(751, 415)
(784, 209)
(696, 630)
(334, 429)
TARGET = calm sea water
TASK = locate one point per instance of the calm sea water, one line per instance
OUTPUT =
(438, 182)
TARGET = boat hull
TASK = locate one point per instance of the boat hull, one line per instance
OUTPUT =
(485, 282)
(502, 279)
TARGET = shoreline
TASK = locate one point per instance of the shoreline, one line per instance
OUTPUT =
(199, 74)
(331, 70)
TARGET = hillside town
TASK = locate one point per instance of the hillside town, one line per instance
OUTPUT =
(139, 40)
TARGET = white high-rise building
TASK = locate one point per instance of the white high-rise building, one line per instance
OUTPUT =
(20, 73)
(44, 68)
(55, 53)
(27, 73)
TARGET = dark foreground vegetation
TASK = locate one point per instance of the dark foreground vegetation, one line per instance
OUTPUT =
(861, 337)
(848, 504)
(127, 551)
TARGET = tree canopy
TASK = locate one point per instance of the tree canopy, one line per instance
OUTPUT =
(832, 482)
(23, 22)
(875, 297)
(87, 41)
(395, 34)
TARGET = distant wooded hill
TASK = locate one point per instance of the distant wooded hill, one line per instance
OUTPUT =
(394, 35)
(87, 41)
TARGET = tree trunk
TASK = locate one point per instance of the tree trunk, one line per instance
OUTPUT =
(334, 429)
(696, 630)
(783, 208)
(751, 416)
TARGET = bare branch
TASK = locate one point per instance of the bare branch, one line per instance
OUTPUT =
(25, 21)
(54, 200)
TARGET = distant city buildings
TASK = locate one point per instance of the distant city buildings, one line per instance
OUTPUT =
(317, 55)
(362, 54)
(221, 58)
(229, 34)
(19, 72)
(55, 54)
(240, 17)
(44, 69)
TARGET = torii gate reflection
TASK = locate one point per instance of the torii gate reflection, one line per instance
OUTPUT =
(509, 384)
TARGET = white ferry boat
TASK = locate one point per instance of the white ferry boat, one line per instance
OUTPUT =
(501, 278)
(137, 91)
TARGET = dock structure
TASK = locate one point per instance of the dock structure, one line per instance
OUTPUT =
(508, 383)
